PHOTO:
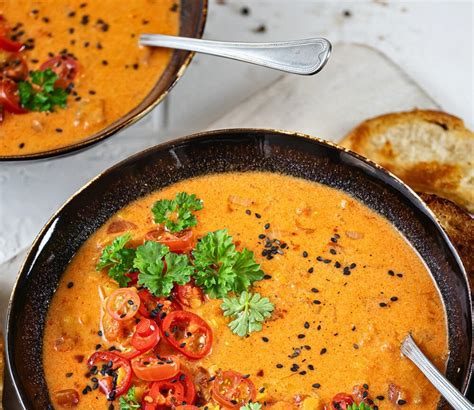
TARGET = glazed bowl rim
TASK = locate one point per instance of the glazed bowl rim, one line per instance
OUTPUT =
(33, 251)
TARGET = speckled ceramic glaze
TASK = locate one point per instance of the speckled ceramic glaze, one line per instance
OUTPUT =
(223, 151)
(192, 21)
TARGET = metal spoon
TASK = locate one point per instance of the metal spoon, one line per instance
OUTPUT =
(304, 57)
(410, 349)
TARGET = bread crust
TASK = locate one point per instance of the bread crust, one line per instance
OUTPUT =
(459, 226)
(430, 150)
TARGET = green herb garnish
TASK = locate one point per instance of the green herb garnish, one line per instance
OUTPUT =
(41, 94)
(360, 406)
(249, 311)
(251, 406)
(151, 260)
(220, 268)
(177, 214)
(129, 401)
(118, 259)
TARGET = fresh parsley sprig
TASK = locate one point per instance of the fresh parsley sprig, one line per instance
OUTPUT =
(40, 94)
(160, 269)
(129, 401)
(220, 268)
(118, 259)
(249, 311)
(177, 214)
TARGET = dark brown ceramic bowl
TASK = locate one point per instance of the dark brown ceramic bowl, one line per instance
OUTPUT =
(213, 152)
(192, 20)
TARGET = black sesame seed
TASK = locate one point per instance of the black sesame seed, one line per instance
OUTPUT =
(380, 398)
(279, 366)
(316, 385)
(352, 265)
(306, 325)
(323, 351)
(70, 285)
(305, 254)
(310, 367)
(267, 226)
(382, 304)
(301, 336)
(401, 402)
(337, 265)
(311, 270)
(267, 276)
(314, 290)
(248, 211)
(59, 130)
(391, 273)
(332, 251)
(393, 298)
(258, 216)
(261, 236)
(317, 302)
(365, 386)
(265, 339)
(69, 374)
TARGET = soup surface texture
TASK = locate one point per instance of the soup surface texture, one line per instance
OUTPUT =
(345, 285)
(114, 74)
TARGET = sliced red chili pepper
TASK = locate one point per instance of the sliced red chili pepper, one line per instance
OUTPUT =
(180, 242)
(150, 368)
(189, 295)
(185, 378)
(123, 304)
(146, 336)
(9, 98)
(188, 333)
(341, 401)
(118, 373)
(65, 67)
(163, 394)
(233, 390)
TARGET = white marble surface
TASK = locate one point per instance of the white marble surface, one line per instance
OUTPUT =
(431, 40)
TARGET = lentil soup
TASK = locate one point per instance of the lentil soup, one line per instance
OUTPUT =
(92, 48)
(246, 290)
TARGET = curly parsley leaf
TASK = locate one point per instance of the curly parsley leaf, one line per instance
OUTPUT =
(177, 214)
(360, 406)
(214, 258)
(251, 406)
(220, 268)
(246, 269)
(249, 311)
(129, 401)
(117, 259)
(41, 94)
(159, 269)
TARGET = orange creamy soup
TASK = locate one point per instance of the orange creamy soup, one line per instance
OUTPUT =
(279, 293)
(93, 48)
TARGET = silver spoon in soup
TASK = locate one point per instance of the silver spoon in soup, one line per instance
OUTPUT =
(411, 350)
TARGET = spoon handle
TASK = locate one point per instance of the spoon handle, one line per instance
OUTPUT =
(449, 392)
(304, 57)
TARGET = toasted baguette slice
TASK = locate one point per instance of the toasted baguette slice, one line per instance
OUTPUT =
(459, 226)
(431, 151)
